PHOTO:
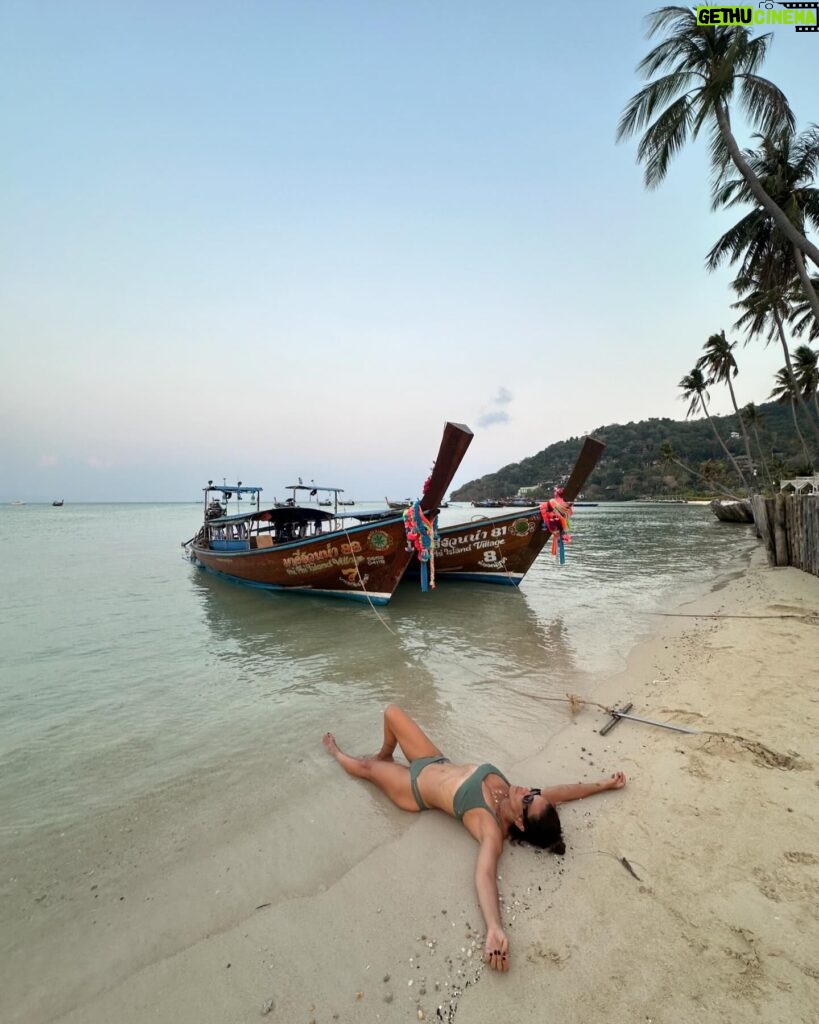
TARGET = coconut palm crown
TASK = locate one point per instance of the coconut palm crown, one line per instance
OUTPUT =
(706, 68)
(694, 386)
(721, 365)
(786, 164)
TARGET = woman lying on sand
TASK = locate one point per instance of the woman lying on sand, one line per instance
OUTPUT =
(480, 796)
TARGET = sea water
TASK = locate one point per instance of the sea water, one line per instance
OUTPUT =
(124, 668)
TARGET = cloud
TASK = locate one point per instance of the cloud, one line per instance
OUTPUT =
(487, 419)
(495, 415)
(47, 461)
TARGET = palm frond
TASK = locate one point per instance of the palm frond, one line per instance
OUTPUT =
(784, 391)
(641, 107)
(664, 139)
(765, 104)
(721, 161)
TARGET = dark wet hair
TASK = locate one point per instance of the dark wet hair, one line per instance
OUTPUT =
(544, 831)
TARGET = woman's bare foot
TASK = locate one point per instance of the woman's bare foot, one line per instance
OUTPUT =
(383, 755)
(357, 766)
(329, 741)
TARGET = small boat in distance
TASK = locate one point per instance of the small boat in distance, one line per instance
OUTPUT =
(58, 503)
(307, 550)
(399, 506)
(313, 492)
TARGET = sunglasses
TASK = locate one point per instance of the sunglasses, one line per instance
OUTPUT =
(527, 799)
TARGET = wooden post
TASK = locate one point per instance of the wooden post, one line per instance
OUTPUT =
(780, 535)
(760, 507)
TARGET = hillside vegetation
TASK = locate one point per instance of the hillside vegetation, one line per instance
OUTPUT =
(633, 465)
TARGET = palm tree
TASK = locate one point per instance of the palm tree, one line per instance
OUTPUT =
(806, 372)
(709, 475)
(751, 416)
(706, 66)
(721, 366)
(695, 392)
(766, 306)
(785, 393)
(803, 319)
(778, 469)
(786, 164)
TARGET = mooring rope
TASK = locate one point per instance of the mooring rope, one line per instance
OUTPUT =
(377, 614)
(812, 618)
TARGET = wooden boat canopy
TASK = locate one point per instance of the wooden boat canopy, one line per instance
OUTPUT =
(230, 489)
(276, 516)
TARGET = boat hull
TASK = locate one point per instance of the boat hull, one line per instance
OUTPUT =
(498, 550)
(361, 563)
(740, 511)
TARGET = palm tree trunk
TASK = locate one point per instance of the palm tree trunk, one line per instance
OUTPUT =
(765, 468)
(702, 476)
(733, 461)
(780, 218)
(807, 284)
(745, 437)
(800, 398)
(808, 458)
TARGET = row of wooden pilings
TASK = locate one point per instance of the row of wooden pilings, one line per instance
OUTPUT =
(789, 527)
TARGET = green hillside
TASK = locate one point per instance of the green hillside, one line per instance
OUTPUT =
(632, 465)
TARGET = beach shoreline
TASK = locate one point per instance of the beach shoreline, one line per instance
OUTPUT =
(386, 926)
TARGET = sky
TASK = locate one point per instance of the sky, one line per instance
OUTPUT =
(288, 238)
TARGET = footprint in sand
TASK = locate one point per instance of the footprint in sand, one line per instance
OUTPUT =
(539, 951)
(695, 766)
(798, 857)
(785, 887)
(732, 747)
(751, 970)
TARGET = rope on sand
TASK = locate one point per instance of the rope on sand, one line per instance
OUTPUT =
(811, 619)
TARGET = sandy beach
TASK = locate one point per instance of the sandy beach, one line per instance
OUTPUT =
(167, 916)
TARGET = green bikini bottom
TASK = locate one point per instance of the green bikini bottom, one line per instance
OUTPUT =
(415, 769)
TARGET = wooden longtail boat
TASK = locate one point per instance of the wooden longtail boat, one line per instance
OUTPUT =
(501, 549)
(308, 550)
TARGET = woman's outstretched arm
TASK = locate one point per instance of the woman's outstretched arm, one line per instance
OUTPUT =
(579, 790)
(496, 950)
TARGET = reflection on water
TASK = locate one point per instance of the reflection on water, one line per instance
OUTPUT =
(127, 667)
(424, 651)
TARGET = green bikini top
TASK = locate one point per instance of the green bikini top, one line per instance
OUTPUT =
(469, 794)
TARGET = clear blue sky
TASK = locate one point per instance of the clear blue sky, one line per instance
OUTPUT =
(268, 239)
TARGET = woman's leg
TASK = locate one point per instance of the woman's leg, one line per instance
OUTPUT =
(400, 729)
(391, 778)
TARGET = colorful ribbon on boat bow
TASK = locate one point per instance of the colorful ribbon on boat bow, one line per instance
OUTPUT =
(422, 538)
(556, 515)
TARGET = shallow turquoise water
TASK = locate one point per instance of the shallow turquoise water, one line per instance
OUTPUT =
(123, 667)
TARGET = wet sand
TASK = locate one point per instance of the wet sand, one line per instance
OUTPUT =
(168, 915)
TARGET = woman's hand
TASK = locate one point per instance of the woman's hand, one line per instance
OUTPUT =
(496, 951)
(617, 781)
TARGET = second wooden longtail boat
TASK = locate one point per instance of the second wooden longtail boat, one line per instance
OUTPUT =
(501, 549)
(308, 550)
